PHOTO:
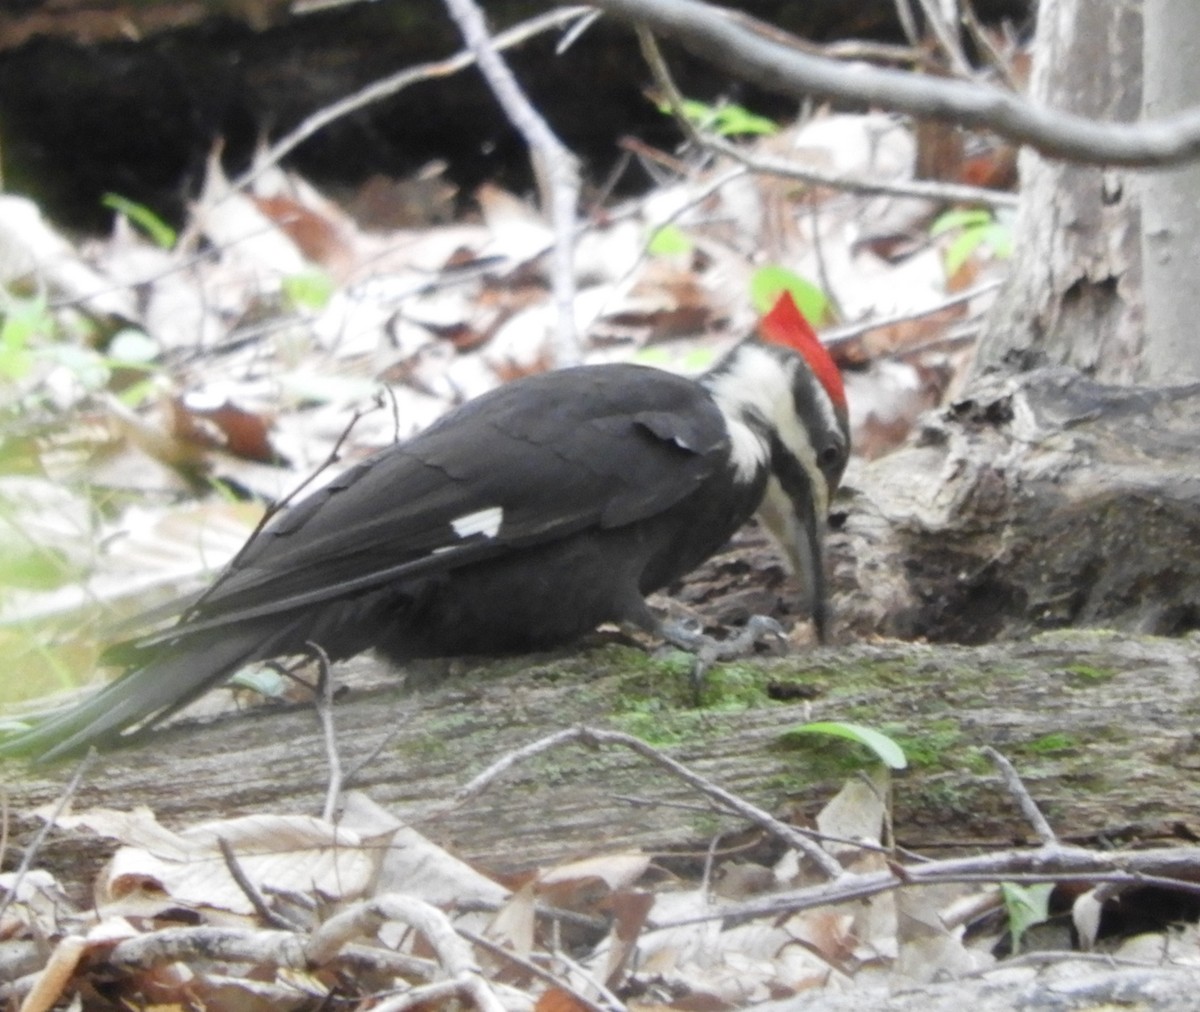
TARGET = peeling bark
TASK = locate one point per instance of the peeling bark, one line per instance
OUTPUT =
(1075, 293)
(1042, 503)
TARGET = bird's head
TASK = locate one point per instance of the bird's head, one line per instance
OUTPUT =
(785, 406)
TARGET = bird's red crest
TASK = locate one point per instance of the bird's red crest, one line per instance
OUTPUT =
(785, 325)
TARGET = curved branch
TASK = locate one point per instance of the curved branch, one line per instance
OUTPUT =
(762, 53)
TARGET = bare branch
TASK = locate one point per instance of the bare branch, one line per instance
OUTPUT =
(788, 169)
(763, 54)
(1029, 808)
(35, 845)
(394, 83)
(555, 167)
(730, 802)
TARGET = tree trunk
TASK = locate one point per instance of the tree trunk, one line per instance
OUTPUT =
(1171, 199)
(1074, 297)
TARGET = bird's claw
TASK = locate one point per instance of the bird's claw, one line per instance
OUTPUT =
(707, 651)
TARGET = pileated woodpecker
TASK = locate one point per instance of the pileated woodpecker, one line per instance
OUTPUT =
(519, 521)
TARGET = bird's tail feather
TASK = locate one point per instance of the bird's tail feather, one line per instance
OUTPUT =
(176, 676)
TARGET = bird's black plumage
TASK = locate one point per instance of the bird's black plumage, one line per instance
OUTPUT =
(520, 521)
(588, 525)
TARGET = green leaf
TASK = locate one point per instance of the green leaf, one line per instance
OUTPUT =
(652, 356)
(960, 250)
(960, 217)
(670, 240)
(726, 120)
(736, 121)
(1026, 906)
(310, 290)
(889, 753)
(24, 321)
(158, 230)
(768, 283)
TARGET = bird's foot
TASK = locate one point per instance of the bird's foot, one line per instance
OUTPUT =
(707, 651)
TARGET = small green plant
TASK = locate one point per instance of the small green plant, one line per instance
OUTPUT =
(670, 240)
(884, 748)
(725, 119)
(140, 215)
(310, 290)
(1026, 906)
(22, 322)
(769, 282)
(976, 228)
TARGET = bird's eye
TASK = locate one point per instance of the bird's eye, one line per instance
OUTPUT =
(830, 456)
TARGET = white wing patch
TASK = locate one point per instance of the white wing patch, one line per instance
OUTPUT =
(485, 521)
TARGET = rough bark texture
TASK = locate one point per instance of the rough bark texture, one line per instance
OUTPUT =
(1102, 726)
(1074, 295)
(1170, 211)
(1038, 503)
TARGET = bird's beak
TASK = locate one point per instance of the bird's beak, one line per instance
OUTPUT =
(798, 524)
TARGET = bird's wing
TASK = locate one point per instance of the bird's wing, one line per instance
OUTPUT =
(531, 462)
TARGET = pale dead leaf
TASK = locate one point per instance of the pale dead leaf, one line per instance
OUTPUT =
(413, 864)
(856, 812)
(927, 949)
(34, 254)
(1085, 915)
(616, 871)
(276, 852)
(233, 222)
(149, 556)
(518, 233)
(514, 923)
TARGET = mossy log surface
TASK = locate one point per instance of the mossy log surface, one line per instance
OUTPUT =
(1028, 507)
(1102, 726)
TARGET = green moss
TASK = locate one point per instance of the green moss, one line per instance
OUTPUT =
(734, 687)
(974, 761)
(656, 723)
(935, 745)
(816, 757)
(945, 800)
(1089, 674)
(1050, 744)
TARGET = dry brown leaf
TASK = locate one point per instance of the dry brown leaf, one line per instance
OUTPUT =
(555, 999)
(222, 426)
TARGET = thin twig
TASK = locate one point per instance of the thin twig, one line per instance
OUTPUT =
(843, 335)
(269, 917)
(323, 701)
(532, 968)
(1044, 864)
(554, 166)
(983, 40)
(908, 23)
(394, 83)
(949, 193)
(1029, 809)
(922, 189)
(35, 845)
(818, 247)
(947, 39)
